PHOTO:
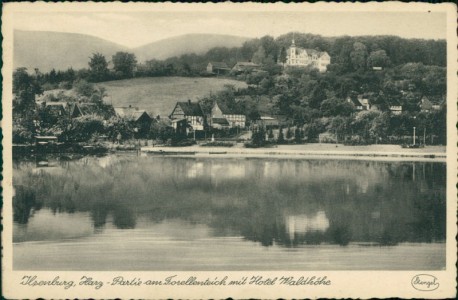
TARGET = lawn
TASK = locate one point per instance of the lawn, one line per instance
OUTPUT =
(158, 95)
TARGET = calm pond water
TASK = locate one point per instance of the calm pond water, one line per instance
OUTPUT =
(126, 212)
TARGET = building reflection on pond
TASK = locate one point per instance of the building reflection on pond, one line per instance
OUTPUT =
(269, 201)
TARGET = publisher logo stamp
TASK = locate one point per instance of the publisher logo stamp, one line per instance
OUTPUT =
(425, 282)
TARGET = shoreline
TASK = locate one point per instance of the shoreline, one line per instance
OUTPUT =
(302, 152)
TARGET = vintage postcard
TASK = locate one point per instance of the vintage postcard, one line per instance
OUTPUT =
(196, 151)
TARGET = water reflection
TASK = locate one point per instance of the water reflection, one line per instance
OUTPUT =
(268, 201)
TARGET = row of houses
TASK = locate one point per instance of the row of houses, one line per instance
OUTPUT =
(80, 109)
(221, 68)
(220, 117)
(295, 57)
(362, 102)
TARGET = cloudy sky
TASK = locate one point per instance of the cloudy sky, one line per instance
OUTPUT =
(134, 29)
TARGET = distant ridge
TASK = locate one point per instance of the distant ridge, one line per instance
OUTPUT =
(46, 50)
(189, 43)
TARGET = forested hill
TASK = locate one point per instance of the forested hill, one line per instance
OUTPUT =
(348, 54)
(186, 44)
(399, 50)
(47, 50)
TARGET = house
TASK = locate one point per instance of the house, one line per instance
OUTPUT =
(218, 68)
(83, 109)
(191, 111)
(395, 108)
(180, 126)
(86, 109)
(364, 100)
(268, 122)
(220, 123)
(245, 66)
(133, 114)
(425, 105)
(221, 111)
(375, 107)
(56, 109)
(354, 100)
(301, 57)
(139, 117)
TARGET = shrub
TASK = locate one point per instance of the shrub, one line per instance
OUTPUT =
(264, 145)
(218, 144)
(66, 85)
(182, 142)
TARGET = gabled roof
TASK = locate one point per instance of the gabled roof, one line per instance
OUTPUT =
(246, 64)
(75, 110)
(130, 113)
(354, 100)
(219, 65)
(191, 108)
(311, 52)
(394, 102)
(226, 110)
(425, 103)
(86, 108)
(55, 105)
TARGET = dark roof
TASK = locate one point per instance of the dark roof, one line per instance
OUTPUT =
(191, 108)
(394, 102)
(355, 101)
(219, 65)
(246, 64)
(226, 110)
(220, 121)
(56, 105)
(425, 103)
(88, 108)
(130, 113)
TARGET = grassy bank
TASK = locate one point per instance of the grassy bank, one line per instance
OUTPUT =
(148, 93)
(391, 152)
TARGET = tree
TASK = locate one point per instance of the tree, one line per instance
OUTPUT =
(98, 68)
(378, 58)
(289, 133)
(362, 124)
(358, 56)
(271, 134)
(379, 127)
(259, 56)
(124, 63)
(339, 126)
(258, 137)
(84, 88)
(298, 135)
(282, 55)
(25, 87)
(281, 138)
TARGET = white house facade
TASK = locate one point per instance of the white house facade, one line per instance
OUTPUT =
(301, 57)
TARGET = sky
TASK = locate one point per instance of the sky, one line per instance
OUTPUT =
(133, 29)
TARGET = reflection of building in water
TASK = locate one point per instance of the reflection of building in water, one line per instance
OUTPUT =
(221, 171)
(196, 170)
(105, 161)
(300, 224)
(216, 170)
(363, 185)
